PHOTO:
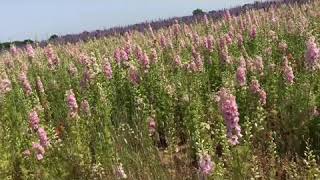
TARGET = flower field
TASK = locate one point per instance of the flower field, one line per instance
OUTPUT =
(235, 98)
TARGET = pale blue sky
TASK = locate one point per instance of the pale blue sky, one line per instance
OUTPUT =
(39, 19)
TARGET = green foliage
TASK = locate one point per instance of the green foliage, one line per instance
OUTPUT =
(197, 12)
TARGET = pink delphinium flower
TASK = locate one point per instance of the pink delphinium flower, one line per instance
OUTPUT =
(53, 60)
(44, 141)
(72, 104)
(241, 73)
(151, 31)
(39, 150)
(85, 107)
(253, 33)
(107, 69)
(187, 30)
(233, 140)
(177, 61)
(248, 20)
(205, 165)
(227, 15)
(34, 120)
(209, 43)
(241, 24)
(13, 50)
(144, 60)
(72, 70)
(263, 96)
(229, 110)
(176, 28)
(240, 40)
(222, 42)
(87, 77)
(26, 153)
(154, 56)
(152, 126)
(25, 83)
(133, 75)
(182, 43)
(120, 172)
(8, 62)
(225, 55)
(258, 64)
(40, 85)
(124, 56)
(30, 51)
(288, 72)
(192, 67)
(85, 59)
(228, 39)
(139, 52)
(315, 112)
(206, 20)
(163, 41)
(283, 46)
(273, 36)
(128, 48)
(117, 55)
(199, 62)
(312, 54)
(196, 39)
(255, 88)
(39, 156)
(5, 86)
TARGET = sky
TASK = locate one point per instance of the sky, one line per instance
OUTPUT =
(39, 19)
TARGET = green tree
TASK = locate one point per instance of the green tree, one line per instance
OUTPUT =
(197, 12)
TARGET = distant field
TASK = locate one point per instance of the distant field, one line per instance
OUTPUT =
(235, 97)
